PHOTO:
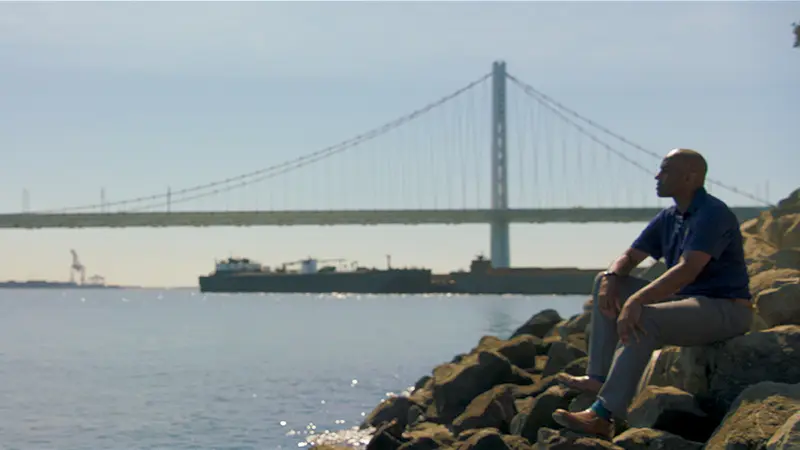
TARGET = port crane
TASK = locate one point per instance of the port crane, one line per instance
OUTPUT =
(81, 270)
(76, 267)
(796, 26)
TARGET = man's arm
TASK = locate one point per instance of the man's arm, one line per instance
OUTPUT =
(628, 261)
(673, 280)
(648, 243)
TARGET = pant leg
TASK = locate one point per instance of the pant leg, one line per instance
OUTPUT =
(603, 337)
(685, 322)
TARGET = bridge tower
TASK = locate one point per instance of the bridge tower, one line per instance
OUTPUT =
(499, 228)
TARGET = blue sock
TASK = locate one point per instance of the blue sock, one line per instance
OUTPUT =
(601, 410)
(599, 378)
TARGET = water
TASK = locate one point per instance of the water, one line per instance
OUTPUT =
(175, 369)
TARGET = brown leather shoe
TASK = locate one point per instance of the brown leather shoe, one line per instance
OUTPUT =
(583, 384)
(585, 422)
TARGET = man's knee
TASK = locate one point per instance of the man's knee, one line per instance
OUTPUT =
(646, 334)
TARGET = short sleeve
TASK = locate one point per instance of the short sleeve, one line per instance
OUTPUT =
(649, 241)
(711, 233)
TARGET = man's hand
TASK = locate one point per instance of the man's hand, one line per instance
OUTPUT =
(628, 322)
(608, 297)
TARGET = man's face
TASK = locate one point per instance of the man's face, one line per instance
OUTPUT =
(671, 178)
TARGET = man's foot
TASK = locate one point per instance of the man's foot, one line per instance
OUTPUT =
(583, 384)
(585, 422)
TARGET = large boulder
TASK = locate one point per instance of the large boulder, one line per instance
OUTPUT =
(778, 227)
(540, 324)
(756, 415)
(772, 240)
(538, 413)
(492, 409)
(669, 409)
(780, 305)
(716, 374)
(769, 355)
(521, 350)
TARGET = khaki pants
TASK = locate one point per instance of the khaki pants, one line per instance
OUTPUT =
(675, 321)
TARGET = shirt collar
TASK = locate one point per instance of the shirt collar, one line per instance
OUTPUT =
(697, 201)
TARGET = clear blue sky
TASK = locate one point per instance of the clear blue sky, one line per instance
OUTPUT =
(135, 97)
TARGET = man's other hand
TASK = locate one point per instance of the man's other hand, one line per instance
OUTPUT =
(608, 296)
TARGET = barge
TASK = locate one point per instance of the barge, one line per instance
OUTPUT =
(234, 275)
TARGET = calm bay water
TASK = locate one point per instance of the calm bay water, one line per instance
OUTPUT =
(176, 369)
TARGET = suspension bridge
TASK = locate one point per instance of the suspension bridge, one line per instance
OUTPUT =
(431, 166)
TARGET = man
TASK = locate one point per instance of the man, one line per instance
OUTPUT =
(703, 297)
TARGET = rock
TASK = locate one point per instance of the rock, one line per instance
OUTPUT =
(772, 244)
(517, 443)
(520, 351)
(491, 409)
(780, 305)
(424, 443)
(550, 439)
(769, 355)
(388, 410)
(426, 436)
(778, 227)
(792, 202)
(786, 258)
(574, 325)
(670, 409)
(489, 439)
(771, 278)
(387, 437)
(787, 437)
(756, 415)
(529, 393)
(455, 385)
(540, 324)
(717, 373)
(541, 362)
(538, 413)
(559, 356)
(649, 439)
(424, 407)
(422, 382)
(415, 415)
(577, 367)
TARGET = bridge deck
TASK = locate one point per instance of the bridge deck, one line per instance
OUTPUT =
(345, 217)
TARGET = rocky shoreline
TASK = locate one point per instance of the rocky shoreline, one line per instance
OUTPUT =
(740, 394)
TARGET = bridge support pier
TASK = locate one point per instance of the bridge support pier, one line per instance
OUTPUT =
(499, 226)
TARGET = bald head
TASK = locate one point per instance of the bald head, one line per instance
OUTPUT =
(683, 171)
(690, 162)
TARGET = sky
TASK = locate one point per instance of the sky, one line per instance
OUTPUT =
(132, 99)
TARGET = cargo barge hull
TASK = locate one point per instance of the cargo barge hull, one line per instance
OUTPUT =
(234, 276)
(373, 282)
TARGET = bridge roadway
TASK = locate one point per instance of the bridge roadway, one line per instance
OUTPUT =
(342, 217)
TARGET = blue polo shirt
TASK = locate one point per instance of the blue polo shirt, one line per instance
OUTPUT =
(708, 225)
